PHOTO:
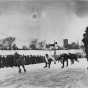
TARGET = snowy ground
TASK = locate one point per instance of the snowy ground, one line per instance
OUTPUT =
(75, 76)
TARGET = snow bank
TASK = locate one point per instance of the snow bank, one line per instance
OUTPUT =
(39, 52)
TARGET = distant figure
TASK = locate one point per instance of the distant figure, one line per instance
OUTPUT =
(48, 60)
(20, 61)
(73, 57)
(63, 58)
(55, 55)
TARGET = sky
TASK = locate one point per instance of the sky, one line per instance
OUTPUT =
(43, 19)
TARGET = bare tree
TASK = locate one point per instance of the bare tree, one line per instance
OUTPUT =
(33, 44)
(85, 41)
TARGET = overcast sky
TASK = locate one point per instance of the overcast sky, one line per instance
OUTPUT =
(43, 19)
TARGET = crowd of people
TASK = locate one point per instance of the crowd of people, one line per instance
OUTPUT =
(9, 60)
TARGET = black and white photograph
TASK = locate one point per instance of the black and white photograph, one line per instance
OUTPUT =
(43, 43)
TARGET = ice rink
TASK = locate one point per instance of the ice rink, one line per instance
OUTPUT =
(75, 76)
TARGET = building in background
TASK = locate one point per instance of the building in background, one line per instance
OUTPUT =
(73, 45)
(65, 43)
